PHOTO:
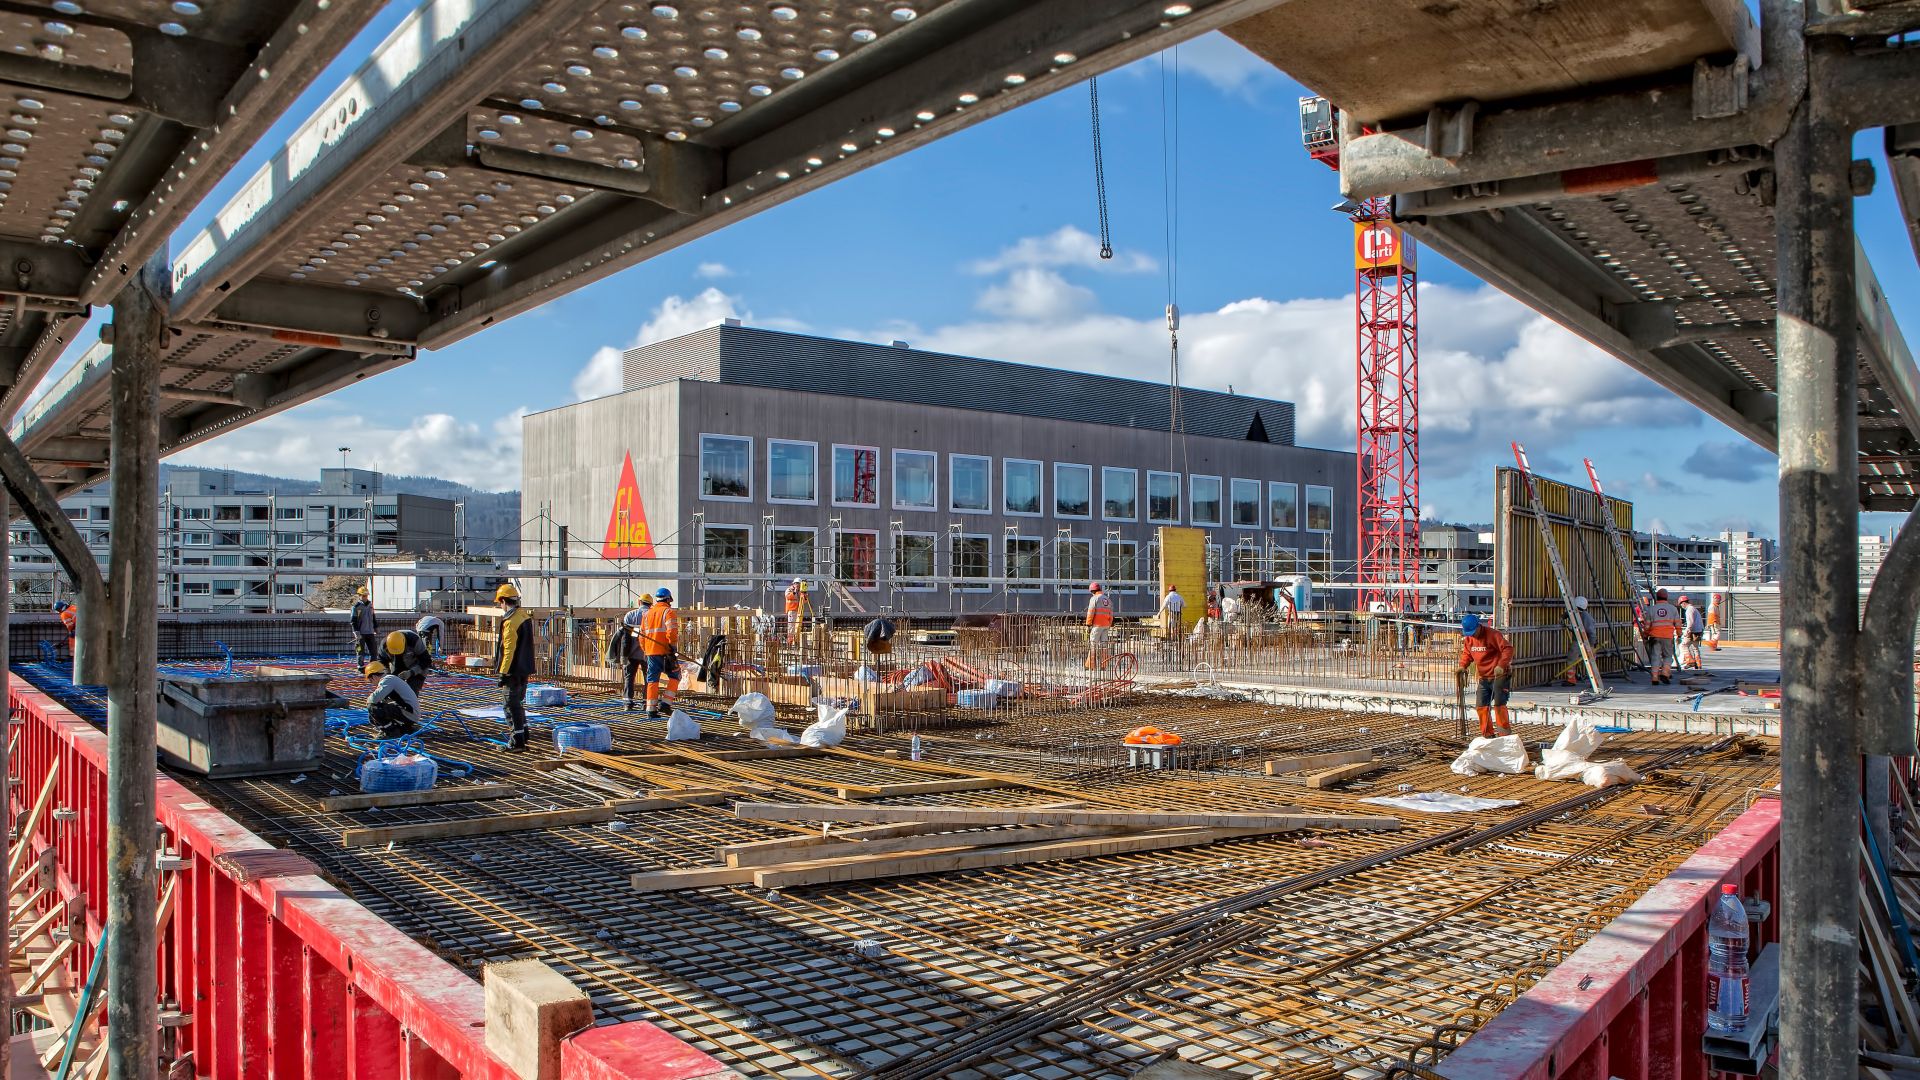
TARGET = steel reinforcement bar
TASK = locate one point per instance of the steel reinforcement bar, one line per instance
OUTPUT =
(280, 974)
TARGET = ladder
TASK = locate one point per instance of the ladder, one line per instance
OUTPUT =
(1560, 573)
(1637, 590)
(845, 595)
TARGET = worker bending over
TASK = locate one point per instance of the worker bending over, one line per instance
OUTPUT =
(1488, 652)
(393, 706)
(659, 643)
(1099, 626)
(513, 655)
(70, 619)
(623, 649)
(796, 604)
(1588, 627)
(1693, 628)
(365, 627)
(405, 653)
(1661, 628)
(434, 633)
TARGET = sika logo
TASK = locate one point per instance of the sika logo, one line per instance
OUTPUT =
(627, 536)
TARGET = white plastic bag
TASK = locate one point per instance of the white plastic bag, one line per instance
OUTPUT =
(1506, 754)
(754, 710)
(682, 728)
(1559, 765)
(771, 735)
(1602, 774)
(829, 730)
(863, 673)
(1580, 738)
(1440, 802)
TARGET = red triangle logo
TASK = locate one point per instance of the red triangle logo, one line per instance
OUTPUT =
(627, 535)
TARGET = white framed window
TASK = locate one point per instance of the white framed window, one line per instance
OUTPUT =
(856, 475)
(726, 468)
(1319, 508)
(199, 513)
(856, 559)
(1072, 564)
(291, 539)
(1215, 557)
(196, 588)
(289, 513)
(969, 484)
(1120, 561)
(971, 556)
(1072, 490)
(197, 539)
(914, 479)
(1245, 503)
(913, 561)
(1020, 485)
(1283, 506)
(1119, 494)
(726, 556)
(1204, 505)
(1163, 498)
(1246, 562)
(1319, 563)
(793, 475)
(792, 555)
(287, 588)
(1023, 563)
(1286, 561)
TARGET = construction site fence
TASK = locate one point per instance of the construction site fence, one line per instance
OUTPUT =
(200, 637)
(1631, 1002)
(279, 975)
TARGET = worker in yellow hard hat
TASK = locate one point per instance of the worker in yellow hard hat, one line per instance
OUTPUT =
(407, 654)
(392, 707)
(365, 625)
(513, 662)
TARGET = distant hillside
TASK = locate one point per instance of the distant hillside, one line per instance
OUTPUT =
(492, 517)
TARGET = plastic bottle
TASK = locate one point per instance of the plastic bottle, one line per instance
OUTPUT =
(915, 753)
(1727, 965)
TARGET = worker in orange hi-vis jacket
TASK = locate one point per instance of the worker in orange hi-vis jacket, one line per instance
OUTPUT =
(660, 641)
(1489, 654)
(1713, 621)
(70, 619)
(796, 605)
(1662, 630)
(1099, 626)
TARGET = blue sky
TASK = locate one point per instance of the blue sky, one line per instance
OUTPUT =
(983, 243)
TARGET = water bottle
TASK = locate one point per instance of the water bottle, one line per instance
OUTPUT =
(915, 752)
(1727, 965)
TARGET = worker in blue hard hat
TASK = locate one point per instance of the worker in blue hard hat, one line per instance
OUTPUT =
(659, 643)
(1489, 654)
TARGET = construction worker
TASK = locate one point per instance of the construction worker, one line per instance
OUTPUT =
(1490, 655)
(623, 648)
(796, 604)
(405, 654)
(1099, 626)
(1693, 627)
(1588, 627)
(365, 627)
(1713, 621)
(70, 619)
(1171, 606)
(659, 642)
(1661, 628)
(513, 655)
(433, 632)
(393, 706)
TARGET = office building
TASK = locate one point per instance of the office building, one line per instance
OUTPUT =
(1751, 559)
(1873, 552)
(897, 479)
(1671, 562)
(1456, 570)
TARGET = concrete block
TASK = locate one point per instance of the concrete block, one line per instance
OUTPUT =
(530, 1008)
(636, 1050)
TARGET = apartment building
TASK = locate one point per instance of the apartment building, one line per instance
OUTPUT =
(1671, 562)
(1456, 570)
(1751, 559)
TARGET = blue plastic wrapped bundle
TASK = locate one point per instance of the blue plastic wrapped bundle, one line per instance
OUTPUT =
(1003, 688)
(976, 699)
(806, 671)
(543, 696)
(579, 735)
(402, 772)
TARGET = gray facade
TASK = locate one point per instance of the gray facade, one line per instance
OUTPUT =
(736, 480)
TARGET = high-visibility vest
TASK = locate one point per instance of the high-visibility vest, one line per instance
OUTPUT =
(1099, 610)
(1663, 620)
(659, 630)
(795, 597)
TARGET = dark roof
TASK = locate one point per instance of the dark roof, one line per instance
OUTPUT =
(749, 356)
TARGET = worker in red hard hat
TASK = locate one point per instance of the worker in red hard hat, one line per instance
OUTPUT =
(1661, 629)
(1099, 626)
(1693, 629)
(1489, 654)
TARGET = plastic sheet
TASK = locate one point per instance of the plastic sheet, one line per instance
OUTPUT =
(1440, 802)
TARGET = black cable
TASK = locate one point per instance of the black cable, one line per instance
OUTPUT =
(1099, 171)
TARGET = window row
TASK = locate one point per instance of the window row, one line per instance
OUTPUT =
(853, 480)
(728, 558)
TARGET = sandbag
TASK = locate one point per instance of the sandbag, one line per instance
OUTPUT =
(754, 710)
(1506, 754)
(1602, 774)
(771, 735)
(682, 728)
(1560, 765)
(1580, 738)
(829, 730)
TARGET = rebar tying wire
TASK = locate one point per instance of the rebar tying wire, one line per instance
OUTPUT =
(1099, 170)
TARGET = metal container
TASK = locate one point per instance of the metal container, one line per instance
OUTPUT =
(270, 720)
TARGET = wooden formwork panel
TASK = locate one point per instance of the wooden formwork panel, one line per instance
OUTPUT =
(1526, 599)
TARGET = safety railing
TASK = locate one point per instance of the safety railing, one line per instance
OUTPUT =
(1631, 1002)
(279, 974)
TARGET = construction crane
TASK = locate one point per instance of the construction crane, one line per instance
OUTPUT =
(1387, 370)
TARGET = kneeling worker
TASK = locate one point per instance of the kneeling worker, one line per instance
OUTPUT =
(405, 653)
(514, 654)
(1488, 652)
(393, 706)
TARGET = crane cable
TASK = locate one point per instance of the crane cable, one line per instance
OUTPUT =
(1170, 202)
(1099, 170)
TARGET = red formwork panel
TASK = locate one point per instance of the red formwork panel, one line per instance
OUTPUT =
(283, 976)
(1631, 1002)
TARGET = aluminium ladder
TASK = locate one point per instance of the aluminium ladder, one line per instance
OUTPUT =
(1637, 590)
(1560, 574)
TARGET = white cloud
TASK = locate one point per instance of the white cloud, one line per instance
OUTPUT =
(1031, 294)
(712, 271)
(603, 375)
(1227, 65)
(1066, 246)
(298, 442)
(605, 372)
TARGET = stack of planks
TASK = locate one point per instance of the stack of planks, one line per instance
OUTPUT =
(896, 841)
(1890, 1024)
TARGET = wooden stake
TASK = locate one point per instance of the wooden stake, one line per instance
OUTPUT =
(1309, 762)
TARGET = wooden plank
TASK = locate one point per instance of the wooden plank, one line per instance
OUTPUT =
(1320, 781)
(507, 823)
(382, 800)
(1286, 818)
(669, 757)
(931, 842)
(923, 787)
(1008, 855)
(859, 832)
(1309, 762)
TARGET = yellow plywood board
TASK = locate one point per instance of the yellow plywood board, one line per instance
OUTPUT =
(1183, 564)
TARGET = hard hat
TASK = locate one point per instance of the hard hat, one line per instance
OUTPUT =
(507, 591)
(1659, 594)
(1469, 624)
(800, 583)
(1684, 599)
(646, 601)
(376, 669)
(396, 643)
(426, 623)
(1580, 602)
(663, 593)
(61, 606)
(361, 591)
(1095, 587)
